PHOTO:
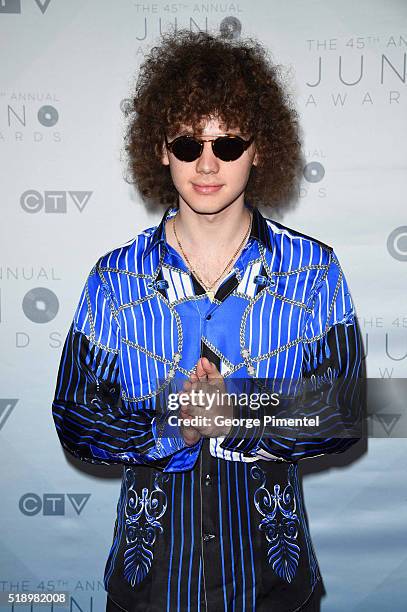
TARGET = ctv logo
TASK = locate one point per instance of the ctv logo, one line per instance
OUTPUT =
(33, 201)
(14, 6)
(6, 408)
(51, 504)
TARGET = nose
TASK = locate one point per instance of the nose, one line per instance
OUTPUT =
(207, 162)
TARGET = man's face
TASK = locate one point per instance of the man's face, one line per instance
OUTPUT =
(230, 176)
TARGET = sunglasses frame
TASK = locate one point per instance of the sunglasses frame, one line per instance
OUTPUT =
(200, 141)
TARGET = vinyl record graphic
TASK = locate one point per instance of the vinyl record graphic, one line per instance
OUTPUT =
(40, 305)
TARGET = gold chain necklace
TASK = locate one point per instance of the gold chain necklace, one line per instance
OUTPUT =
(209, 292)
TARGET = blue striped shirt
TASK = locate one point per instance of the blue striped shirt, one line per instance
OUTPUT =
(218, 525)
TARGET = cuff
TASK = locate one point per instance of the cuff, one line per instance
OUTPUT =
(168, 437)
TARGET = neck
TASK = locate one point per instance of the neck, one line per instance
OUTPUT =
(212, 234)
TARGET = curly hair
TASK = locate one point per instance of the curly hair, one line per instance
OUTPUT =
(192, 76)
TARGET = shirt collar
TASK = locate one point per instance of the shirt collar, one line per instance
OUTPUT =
(260, 230)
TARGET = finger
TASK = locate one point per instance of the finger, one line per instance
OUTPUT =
(200, 368)
(184, 395)
(208, 366)
(184, 410)
(189, 411)
(190, 434)
(213, 372)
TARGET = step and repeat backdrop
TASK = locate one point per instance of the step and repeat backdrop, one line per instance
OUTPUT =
(67, 68)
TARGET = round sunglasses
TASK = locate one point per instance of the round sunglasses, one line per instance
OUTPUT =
(227, 147)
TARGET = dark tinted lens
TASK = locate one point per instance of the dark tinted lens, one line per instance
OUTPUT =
(186, 148)
(228, 149)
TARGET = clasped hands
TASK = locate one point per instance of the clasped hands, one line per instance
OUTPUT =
(208, 379)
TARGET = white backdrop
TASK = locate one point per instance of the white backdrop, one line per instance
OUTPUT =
(66, 68)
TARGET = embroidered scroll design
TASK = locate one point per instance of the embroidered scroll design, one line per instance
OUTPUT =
(142, 525)
(279, 523)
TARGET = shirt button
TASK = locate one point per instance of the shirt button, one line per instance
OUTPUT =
(208, 480)
(208, 317)
(208, 536)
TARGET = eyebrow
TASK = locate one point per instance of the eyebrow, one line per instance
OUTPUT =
(190, 133)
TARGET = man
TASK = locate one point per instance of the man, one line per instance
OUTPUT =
(210, 516)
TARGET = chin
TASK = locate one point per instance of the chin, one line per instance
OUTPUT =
(207, 208)
(207, 204)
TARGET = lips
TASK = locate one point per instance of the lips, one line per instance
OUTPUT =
(206, 189)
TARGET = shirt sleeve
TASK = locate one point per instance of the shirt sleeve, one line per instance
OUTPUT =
(92, 421)
(333, 382)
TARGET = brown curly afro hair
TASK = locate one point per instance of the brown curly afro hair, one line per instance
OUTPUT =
(191, 76)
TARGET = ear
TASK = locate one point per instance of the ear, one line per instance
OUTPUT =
(164, 155)
(255, 159)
